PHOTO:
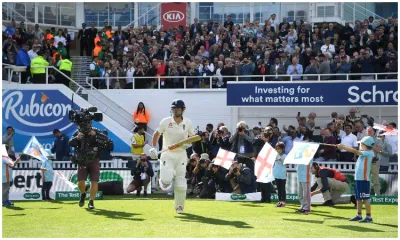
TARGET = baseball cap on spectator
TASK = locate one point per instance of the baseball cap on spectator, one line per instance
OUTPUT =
(205, 156)
(368, 141)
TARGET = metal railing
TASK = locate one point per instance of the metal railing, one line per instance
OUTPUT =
(353, 11)
(265, 78)
(10, 14)
(103, 103)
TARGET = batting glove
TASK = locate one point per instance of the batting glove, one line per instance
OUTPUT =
(153, 153)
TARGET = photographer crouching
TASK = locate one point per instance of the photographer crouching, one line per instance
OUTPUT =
(241, 178)
(88, 143)
(214, 181)
(143, 172)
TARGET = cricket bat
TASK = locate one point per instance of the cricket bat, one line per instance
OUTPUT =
(192, 139)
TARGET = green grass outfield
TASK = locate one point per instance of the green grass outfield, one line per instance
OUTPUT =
(131, 217)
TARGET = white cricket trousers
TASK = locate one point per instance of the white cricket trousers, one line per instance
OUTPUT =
(174, 164)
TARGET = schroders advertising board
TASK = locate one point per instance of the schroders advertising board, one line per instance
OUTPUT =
(345, 93)
(37, 112)
(173, 15)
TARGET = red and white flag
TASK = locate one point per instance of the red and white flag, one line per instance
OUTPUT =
(264, 163)
(388, 131)
(224, 158)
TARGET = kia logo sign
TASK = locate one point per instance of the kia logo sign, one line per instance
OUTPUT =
(173, 16)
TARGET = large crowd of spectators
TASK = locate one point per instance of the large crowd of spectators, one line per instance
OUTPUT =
(216, 52)
(207, 178)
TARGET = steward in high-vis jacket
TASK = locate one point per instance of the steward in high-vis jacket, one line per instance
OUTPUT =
(332, 184)
(65, 66)
(39, 74)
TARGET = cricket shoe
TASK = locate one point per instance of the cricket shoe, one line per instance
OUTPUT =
(179, 210)
(299, 210)
(91, 205)
(305, 212)
(82, 200)
(356, 218)
(164, 187)
(328, 203)
(281, 204)
(366, 220)
(6, 204)
(11, 203)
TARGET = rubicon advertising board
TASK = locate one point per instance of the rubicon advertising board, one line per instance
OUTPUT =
(37, 112)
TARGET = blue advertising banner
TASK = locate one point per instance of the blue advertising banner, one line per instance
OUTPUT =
(278, 94)
(38, 112)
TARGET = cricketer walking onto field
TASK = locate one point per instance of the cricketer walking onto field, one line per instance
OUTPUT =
(173, 162)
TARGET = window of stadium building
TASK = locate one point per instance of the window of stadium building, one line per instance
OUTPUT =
(114, 13)
(57, 13)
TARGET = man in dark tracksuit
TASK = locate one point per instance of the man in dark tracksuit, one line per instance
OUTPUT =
(332, 184)
(61, 147)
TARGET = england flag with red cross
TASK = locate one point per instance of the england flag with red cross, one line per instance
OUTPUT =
(264, 163)
(224, 158)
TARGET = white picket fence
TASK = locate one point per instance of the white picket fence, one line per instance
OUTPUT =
(345, 167)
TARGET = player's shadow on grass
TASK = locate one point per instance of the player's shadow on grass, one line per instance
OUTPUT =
(251, 205)
(63, 202)
(51, 208)
(356, 228)
(344, 207)
(303, 220)
(294, 208)
(16, 215)
(115, 214)
(213, 221)
(15, 208)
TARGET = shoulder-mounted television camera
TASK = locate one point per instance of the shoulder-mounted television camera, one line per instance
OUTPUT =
(84, 117)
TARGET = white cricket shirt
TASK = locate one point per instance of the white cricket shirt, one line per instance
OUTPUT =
(173, 133)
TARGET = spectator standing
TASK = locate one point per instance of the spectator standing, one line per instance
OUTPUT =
(61, 147)
(393, 141)
(342, 67)
(23, 59)
(141, 116)
(279, 173)
(60, 38)
(304, 186)
(8, 139)
(329, 152)
(362, 176)
(367, 63)
(349, 140)
(296, 70)
(47, 177)
(32, 53)
(328, 48)
(7, 163)
(242, 143)
(324, 67)
(84, 40)
(137, 142)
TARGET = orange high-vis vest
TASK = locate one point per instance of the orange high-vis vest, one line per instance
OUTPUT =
(336, 174)
(141, 117)
(96, 51)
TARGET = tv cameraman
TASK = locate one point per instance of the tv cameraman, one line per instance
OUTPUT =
(143, 172)
(242, 143)
(241, 178)
(88, 143)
